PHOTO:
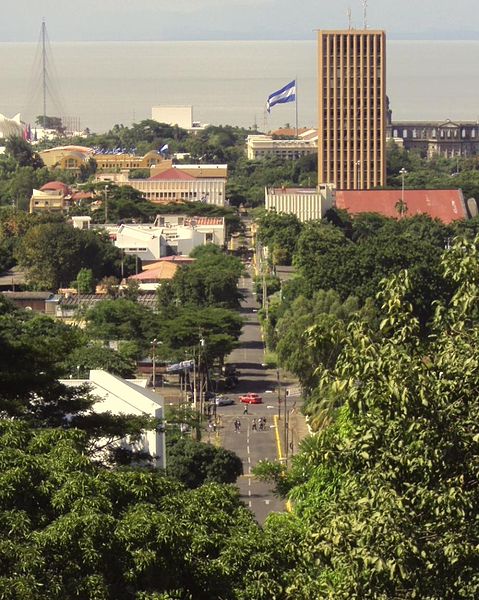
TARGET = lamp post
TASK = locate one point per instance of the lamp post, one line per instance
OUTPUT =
(402, 172)
(106, 204)
(358, 175)
(279, 393)
(154, 344)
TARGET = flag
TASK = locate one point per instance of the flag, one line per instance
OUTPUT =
(164, 148)
(285, 94)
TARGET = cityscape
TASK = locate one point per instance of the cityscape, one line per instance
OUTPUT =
(239, 354)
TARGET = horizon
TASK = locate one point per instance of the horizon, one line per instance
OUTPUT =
(255, 20)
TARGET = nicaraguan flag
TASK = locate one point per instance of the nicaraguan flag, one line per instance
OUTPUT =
(164, 148)
(285, 94)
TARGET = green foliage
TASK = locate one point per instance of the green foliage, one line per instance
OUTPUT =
(94, 356)
(195, 463)
(121, 319)
(22, 152)
(77, 531)
(53, 253)
(85, 282)
(280, 233)
(353, 260)
(212, 280)
(387, 492)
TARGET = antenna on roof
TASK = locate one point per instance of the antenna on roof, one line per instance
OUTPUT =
(349, 18)
(365, 13)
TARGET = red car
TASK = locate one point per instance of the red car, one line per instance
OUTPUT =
(251, 398)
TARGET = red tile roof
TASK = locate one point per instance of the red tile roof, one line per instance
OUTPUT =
(446, 205)
(172, 175)
(55, 186)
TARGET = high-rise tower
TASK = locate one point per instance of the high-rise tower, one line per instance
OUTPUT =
(352, 108)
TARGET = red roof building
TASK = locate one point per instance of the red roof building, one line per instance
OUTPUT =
(56, 186)
(446, 205)
(172, 175)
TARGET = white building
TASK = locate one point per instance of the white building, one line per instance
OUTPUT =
(262, 146)
(121, 396)
(175, 185)
(10, 127)
(308, 204)
(176, 115)
(177, 234)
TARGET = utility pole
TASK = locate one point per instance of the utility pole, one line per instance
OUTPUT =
(154, 343)
(278, 388)
(106, 204)
(44, 75)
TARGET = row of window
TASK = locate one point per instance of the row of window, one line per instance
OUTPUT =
(443, 133)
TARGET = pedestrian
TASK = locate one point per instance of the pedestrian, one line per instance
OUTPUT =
(253, 425)
(245, 410)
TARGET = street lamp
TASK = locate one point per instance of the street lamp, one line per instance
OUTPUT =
(154, 344)
(106, 204)
(402, 172)
(358, 175)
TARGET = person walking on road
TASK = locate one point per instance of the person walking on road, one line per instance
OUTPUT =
(245, 410)
(253, 425)
(237, 425)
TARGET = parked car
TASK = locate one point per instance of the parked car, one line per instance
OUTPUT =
(223, 401)
(251, 398)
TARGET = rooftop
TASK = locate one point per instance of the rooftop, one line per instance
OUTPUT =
(172, 175)
(446, 205)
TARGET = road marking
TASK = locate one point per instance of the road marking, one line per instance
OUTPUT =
(249, 504)
(278, 440)
(267, 501)
(249, 492)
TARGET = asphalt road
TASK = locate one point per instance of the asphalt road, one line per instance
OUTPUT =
(252, 446)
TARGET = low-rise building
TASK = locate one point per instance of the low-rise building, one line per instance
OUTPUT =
(308, 204)
(437, 138)
(175, 185)
(180, 115)
(263, 146)
(71, 158)
(170, 234)
(54, 196)
(129, 397)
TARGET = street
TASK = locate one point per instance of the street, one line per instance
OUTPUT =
(252, 446)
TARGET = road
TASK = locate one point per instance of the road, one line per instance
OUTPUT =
(253, 446)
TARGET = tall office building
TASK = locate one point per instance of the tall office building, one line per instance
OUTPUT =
(352, 108)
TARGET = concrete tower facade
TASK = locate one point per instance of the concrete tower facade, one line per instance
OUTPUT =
(352, 108)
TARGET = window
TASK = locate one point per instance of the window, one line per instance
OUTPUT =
(209, 237)
(404, 133)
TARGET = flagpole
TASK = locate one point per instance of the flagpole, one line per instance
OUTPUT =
(296, 106)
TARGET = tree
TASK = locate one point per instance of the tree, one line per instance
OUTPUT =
(280, 233)
(53, 253)
(85, 283)
(122, 319)
(195, 463)
(212, 280)
(22, 152)
(387, 491)
(94, 356)
(75, 530)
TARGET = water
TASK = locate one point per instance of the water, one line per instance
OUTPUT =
(226, 82)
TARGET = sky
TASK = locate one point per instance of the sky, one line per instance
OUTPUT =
(145, 20)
